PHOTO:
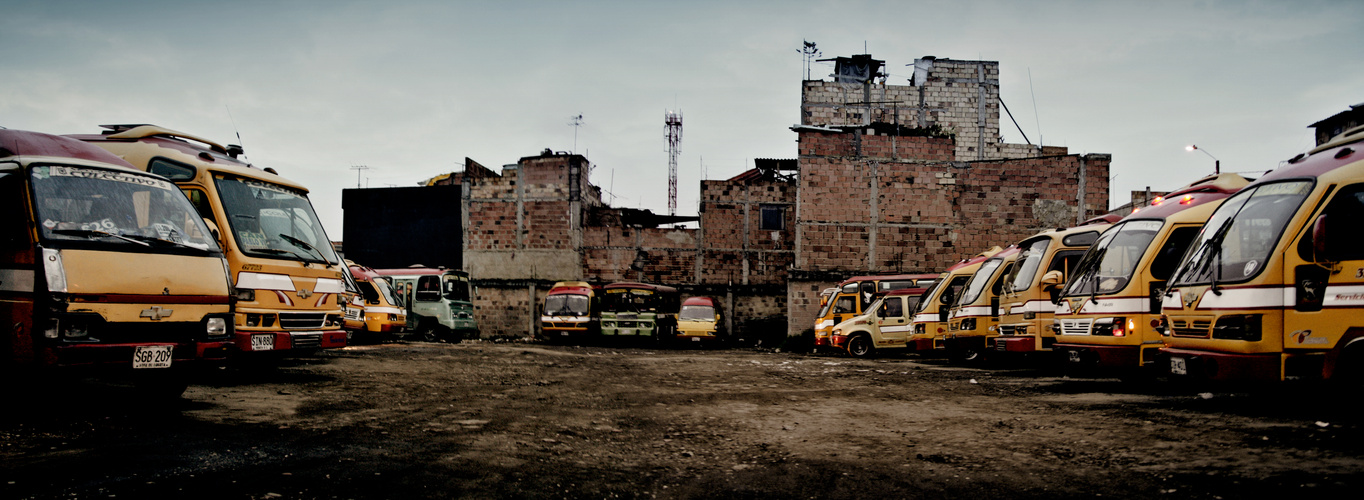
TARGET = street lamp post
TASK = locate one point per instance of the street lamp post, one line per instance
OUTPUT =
(1216, 164)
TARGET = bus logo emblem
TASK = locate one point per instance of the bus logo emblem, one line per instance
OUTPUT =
(156, 313)
(304, 293)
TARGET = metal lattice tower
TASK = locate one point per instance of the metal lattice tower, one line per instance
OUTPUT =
(672, 120)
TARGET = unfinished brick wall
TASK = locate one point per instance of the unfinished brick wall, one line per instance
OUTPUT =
(866, 214)
(506, 309)
(669, 254)
(961, 97)
(736, 247)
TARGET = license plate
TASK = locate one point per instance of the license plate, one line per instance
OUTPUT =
(262, 342)
(696, 339)
(565, 334)
(152, 356)
(1179, 366)
(1073, 356)
(627, 332)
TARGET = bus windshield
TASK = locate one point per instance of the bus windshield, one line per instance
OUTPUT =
(697, 313)
(273, 221)
(932, 292)
(456, 288)
(978, 281)
(123, 208)
(625, 299)
(1109, 265)
(1236, 242)
(566, 304)
(1029, 260)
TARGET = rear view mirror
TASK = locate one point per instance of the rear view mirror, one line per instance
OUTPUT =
(1053, 279)
(1319, 240)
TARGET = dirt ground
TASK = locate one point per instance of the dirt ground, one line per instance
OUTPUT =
(508, 420)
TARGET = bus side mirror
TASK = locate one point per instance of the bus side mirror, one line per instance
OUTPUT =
(1051, 283)
(213, 230)
(1319, 240)
(1053, 279)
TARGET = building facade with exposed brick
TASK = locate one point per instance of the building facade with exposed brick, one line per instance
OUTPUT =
(886, 179)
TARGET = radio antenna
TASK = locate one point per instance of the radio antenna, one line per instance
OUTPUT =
(240, 143)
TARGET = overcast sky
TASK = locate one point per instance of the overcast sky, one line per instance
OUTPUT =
(410, 89)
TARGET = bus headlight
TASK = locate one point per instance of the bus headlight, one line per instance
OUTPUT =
(246, 295)
(1238, 327)
(215, 327)
(968, 324)
(1111, 327)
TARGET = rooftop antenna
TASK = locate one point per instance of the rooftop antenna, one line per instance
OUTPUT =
(575, 122)
(241, 145)
(1034, 110)
(810, 52)
(358, 169)
(673, 122)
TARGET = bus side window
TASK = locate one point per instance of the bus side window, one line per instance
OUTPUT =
(844, 304)
(14, 225)
(1343, 240)
(893, 308)
(428, 289)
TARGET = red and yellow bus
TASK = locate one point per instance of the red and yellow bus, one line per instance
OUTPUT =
(1106, 318)
(851, 298)
(931, 317)
(973, 322)
(383, 311)
(1031, 289)
(1273, 286)
(290, 287)
(572, 311)
(104, 267)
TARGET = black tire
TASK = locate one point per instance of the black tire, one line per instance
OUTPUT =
(426, 332)
(860, 346)
(450, 336)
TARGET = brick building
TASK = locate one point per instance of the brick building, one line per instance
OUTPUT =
(887, 179)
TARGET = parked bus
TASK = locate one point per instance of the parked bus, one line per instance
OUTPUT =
(973, 322)
(104, 267)
(1041, 268)
(885, 325)
(290, 286)
(639, 310)
(384, 313)
(930, 321)
(572, 311)
(851, 298)
(702, 320)
(1273, 286)
(439, 302)
(1106, 318)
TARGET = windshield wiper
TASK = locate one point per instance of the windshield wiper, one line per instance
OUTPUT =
(1093, 275)
(304, 245)
(279, 251)
(90, 233)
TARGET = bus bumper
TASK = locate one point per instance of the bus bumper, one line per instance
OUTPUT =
(284, 341)
(1223, 366)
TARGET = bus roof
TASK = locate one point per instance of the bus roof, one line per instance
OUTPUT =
(1207, 189)
(413, 271)
(888, 277)
(906, 291)
(978, 258)
(700, 301)
(573, 287)
(25, 143)
(640, 286)
(209, 155)
(1333, 154)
